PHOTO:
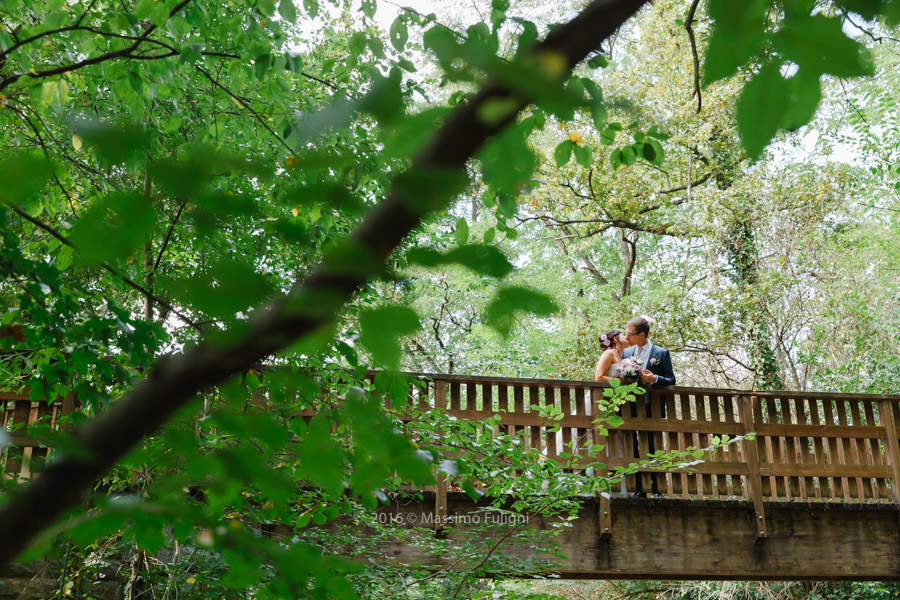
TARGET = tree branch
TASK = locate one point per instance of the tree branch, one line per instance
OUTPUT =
(124, 52)
(311, 305)
(246, 105)
(125, 278)
(165, 242)
(689, 26)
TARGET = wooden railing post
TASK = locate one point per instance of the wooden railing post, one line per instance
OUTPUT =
(15, 452)
(751, 456)
(891, 448)
(604, 517)
(441, 484)
(440, 502)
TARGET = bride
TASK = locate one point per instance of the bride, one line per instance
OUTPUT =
(614, 343)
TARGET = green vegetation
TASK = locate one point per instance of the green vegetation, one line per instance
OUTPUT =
(216, 215)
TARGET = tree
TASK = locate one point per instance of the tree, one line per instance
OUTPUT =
(208, 234)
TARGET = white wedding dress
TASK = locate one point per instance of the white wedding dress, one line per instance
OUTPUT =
(613, 370)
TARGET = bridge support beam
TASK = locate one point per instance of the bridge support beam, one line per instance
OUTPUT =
(689, 540)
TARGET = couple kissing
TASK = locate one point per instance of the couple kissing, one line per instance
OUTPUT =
(631, 355)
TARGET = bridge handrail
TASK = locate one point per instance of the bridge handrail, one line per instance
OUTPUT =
(819, 446)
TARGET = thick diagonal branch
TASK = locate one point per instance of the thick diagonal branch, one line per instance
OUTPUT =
(312, 305)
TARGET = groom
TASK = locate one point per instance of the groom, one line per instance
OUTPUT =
(657, 372)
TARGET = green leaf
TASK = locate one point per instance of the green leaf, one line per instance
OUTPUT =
(381, 328)
(113, 144)
(583, 156)
(489, 235)
(471, 491)
(652, 151)
(385, 99)
(311, 7)
(818, 45)
(598, 61)
(22, 177)
(461, 234)
(153, 11)
(398, 33)
(599, 116)
(737, 36)
(113, 227)
(223, 290)
(654, 132)
(508, 161)
(608, 136)
(369, 7)
(563, 152)
(500, 313)
(486, 260)
(614, 421)
(321, 457)
(287, 10)
(761, 108)
(805, 94)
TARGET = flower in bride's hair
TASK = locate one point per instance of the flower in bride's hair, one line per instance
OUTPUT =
(603, 338)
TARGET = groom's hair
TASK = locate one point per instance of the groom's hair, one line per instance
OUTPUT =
(640, 324)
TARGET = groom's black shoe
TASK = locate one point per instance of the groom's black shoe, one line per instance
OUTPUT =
(639, 495)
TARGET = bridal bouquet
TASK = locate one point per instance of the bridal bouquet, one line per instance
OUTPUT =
(630, 367)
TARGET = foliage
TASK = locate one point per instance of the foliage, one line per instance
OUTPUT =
(170, 169)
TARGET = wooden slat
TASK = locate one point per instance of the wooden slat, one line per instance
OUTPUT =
(676, 480)
(891, 446)
(534, 399)
(565, 405)
(835, 453)
(703, 442)
(791, 444)
(748, 408)
(825, 485)
(15, 455)
(604, 516)
(805, 453)
(719, 455)
(732, 451)
(862, 453)
(551, 436)
(440, 394)
(656, 411)
(881, 489)
(773, 448)
(854, 485)
(689, 482)
(42, 412)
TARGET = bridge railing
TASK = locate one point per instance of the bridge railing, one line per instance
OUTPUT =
(809, 446)
(25, 455)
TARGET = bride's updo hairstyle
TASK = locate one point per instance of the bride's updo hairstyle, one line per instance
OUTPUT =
(608, 339)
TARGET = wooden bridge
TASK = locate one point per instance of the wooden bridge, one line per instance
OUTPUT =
(814, 495)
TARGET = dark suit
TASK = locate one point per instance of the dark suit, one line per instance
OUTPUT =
(662, 368)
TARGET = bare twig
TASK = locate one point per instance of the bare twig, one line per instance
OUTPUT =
(688, 25)
(165, 241)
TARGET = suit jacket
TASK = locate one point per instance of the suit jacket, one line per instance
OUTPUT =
(662, 367)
